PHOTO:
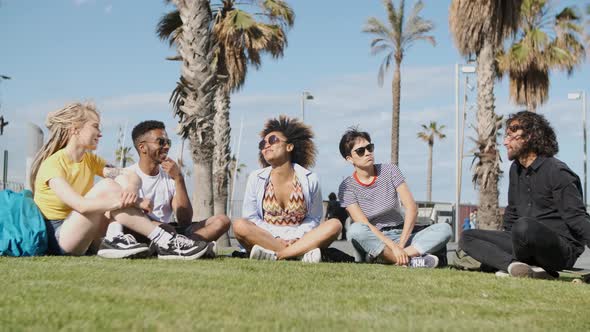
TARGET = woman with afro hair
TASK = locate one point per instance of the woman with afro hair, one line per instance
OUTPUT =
(283, 203)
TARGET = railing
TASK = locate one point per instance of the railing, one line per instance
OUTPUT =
(14, 186)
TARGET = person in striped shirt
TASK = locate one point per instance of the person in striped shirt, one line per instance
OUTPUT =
(372, 197)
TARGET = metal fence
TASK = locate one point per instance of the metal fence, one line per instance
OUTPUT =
(14, 186)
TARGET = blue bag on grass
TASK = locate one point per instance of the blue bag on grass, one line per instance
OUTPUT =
(22, 227)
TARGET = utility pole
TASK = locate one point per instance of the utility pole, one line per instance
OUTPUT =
(3, 123)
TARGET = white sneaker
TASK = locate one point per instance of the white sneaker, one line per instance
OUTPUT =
(211, 250)
(312, 256)
(502, 274)
(523, 270)
(260, 253)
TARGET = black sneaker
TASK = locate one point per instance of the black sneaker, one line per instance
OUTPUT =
(122, 246)
(183, 248)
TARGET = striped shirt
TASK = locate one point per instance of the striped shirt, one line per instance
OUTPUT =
(378, 200)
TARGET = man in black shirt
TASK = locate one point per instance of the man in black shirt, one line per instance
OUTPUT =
(545, 223)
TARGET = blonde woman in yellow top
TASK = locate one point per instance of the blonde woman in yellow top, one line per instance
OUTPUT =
(76, 210)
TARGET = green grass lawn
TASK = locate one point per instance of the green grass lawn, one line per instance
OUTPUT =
(89, 293)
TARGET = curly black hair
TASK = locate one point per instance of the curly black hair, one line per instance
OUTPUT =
(142, 128)
(538, 135)
(349, 139)
(298, 134)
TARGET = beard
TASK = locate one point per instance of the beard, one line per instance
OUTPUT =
(516, 152)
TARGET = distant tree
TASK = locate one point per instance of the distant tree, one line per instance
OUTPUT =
(544, 42)
(395, 37)
(123, 153)
(123, 156)
(480, 27)
(428, 135)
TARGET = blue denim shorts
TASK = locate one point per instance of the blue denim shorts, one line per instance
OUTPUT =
(53, 227)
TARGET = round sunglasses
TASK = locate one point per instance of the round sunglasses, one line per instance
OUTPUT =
(272, 140)
(361, 151)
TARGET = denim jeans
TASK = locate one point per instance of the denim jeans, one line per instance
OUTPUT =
(53, 227)
(431, 239)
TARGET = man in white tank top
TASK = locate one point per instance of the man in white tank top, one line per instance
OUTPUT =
(163, 184)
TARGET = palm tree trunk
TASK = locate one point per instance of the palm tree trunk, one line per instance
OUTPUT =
(487, 170)
(395, 92)
(196, 108)
(429, 176)
(530, 106)
(221, 156)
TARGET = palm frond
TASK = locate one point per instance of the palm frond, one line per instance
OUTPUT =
(169, 27)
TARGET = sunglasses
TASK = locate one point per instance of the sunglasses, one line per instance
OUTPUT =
(361, 151)
(272, 140)
(161, 141)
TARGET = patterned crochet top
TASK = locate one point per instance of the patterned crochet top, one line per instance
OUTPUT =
(293, 214)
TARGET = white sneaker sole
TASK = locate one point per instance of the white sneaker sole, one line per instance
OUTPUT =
(184, 258)
(130, 253)
(259, 253)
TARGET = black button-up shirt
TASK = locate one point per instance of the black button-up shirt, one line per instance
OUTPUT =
(549, 192)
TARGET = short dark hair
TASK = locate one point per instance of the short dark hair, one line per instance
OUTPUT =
(349, 139)
(332, 196)
(538, 135)
(298, 134)
(142, 128)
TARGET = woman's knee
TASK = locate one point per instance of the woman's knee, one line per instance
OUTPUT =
(104, 186)
(358, 231)
(241, 227)
(445, 230)
(335, 226)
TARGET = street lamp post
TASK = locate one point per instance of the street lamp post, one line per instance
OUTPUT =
(304, 95)
(466, 69)
(577, 96)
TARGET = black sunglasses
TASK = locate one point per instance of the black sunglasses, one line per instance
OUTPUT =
(361, 151)
(272, 140)
(161, 141)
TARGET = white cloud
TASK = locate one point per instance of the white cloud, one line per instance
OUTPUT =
(108, 9)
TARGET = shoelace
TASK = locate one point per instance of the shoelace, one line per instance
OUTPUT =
(128, 238)
(181, 241)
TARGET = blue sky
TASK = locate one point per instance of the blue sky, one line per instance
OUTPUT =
(106, 51)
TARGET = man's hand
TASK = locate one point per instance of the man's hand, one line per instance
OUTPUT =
(171, 168)
(146, 205)
(400, 255)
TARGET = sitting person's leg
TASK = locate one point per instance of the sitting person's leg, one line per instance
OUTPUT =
(209, 229)
(430, 240)
(319, 237)
(536, 244)
(492, 248)
(249, 235)
(365, 242)
(78, 231)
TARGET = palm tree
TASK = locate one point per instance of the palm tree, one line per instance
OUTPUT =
(192, 99)
(123, 156)
(480, 27)
(396, 37)
(240, 40)
(428, 134)
(543, 43)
